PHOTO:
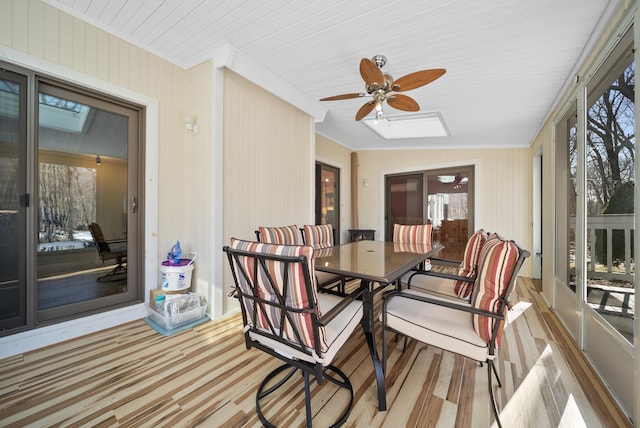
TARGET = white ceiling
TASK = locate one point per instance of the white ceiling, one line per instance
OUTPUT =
(507, 61)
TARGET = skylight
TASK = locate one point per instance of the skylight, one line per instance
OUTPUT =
(61, 114)
(419, 125)
(54, 112)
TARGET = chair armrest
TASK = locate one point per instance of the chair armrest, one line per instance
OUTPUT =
(442, 275)
(327, 317)
(446, 303)
(448, 262)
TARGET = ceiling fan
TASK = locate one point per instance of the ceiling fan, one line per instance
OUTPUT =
(382, 87)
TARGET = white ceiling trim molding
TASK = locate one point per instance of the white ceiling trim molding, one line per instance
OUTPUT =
(231, 58)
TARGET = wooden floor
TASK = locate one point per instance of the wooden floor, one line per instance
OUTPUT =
(132, 376)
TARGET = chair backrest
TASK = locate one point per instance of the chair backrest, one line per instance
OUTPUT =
(318, 235)
(98, 238)
(412, 233)
(469, 264)
(499, 263)
(278, 295)
(285, 235)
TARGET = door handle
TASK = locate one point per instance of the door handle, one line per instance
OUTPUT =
(134, 204)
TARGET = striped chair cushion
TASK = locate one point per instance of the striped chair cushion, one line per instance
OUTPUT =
(469, 265)
(498, 258)
(297, 297)
(286, 235)
(318, 235)
(413, 234)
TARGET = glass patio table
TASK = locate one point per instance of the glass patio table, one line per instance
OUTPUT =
(377, 264)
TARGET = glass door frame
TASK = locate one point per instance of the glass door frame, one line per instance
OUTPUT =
(321, 199)
(607, 350)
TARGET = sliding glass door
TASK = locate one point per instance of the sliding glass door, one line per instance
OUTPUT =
(595, 175)
(13, 200)
(446, 202)
(70, 163)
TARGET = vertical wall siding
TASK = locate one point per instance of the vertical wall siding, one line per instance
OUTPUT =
(267, 162)
(46, 33)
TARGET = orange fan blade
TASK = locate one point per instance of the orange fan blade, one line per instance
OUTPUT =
(365, 110)
(370, 73)
(343, 97)
(417, 79)
(403, 102)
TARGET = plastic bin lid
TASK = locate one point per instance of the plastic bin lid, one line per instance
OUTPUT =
(182, 262)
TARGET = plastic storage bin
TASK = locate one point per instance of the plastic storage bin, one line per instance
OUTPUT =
(178, 310)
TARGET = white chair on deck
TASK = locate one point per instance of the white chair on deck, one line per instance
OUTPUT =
(474, 329)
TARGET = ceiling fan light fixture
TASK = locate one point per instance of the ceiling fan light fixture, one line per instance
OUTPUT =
(379, 110)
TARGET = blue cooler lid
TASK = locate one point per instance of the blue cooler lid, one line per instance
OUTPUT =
(182, 262)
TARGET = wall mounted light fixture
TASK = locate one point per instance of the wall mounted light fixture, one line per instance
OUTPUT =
(98, 160)
(191, 124)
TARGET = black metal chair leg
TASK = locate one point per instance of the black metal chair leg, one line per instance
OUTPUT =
(337, 378)
(495, 371)
(491, 394)
(307, 398)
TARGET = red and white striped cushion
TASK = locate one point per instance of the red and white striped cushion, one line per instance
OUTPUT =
(497, 263)
(318, 235)
(469, 265)
(286, 235)
(296, 294)
(412, 234)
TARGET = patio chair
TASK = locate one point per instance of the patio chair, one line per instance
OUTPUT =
(107, 252)
(447, 284)
(285, 317)
(284, 235)
(472, 330)
(413, 234)
(320, 236)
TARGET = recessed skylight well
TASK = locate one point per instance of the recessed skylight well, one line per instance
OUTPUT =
(419, 125)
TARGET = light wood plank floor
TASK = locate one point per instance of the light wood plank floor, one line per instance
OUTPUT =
(132, 376)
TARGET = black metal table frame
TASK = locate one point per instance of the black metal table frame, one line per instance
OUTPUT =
(409, 260)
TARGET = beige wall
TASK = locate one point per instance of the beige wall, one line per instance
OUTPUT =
(503, 187)
(49, 36)
(268, 163)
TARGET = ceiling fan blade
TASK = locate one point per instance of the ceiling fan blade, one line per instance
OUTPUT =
(417, 79)
(403, 102)
(343, 97)
(370, 73)
(365, 110)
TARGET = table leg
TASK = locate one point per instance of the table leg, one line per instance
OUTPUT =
(369, 332)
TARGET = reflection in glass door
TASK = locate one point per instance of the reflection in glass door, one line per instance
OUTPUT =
(450, 208)
(13, 200)
(404, 201)
(328, 197)
(83, 202)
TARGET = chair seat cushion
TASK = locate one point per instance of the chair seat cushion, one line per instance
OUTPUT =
(433, 284)
(443, 327)
(325, 278)
(337, 331)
